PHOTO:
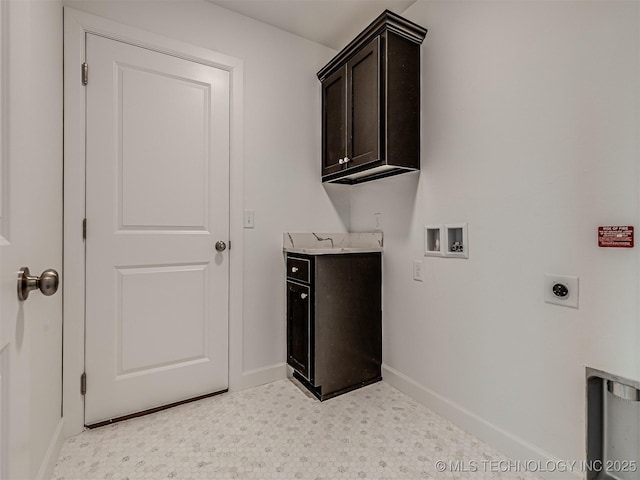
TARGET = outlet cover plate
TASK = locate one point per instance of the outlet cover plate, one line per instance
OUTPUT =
(571, 283)
(377, 222)
(418, 271)
(248, 219)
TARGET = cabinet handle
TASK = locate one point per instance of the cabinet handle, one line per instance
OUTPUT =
(346, 160)
(294, 269)
(341, 161)
(303, 296)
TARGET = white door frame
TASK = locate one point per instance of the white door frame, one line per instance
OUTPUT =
(76, 25)
(4, 334)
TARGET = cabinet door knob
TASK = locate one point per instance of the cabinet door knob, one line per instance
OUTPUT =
(303, 296)
(294, 269)
(346, 160)
(341, 161)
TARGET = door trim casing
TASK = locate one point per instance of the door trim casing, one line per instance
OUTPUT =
(76, 25)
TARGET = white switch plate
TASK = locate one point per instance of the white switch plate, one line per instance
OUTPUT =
(571, 283)
(418, 271)
(377, 221)
(249, 219)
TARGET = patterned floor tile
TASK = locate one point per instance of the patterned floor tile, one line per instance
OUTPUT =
(277, 432)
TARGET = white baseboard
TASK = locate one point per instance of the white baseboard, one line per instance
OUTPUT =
(53, 451)
(261, 376)
(506, 443)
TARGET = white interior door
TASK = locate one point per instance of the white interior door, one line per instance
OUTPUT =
(30, 236)
(157, 202)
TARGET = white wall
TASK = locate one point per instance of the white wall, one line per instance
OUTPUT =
(281, 146)
(531, 115)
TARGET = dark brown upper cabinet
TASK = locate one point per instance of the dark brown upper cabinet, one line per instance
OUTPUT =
(371, 103)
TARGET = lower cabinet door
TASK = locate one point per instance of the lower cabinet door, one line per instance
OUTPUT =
(299, 329)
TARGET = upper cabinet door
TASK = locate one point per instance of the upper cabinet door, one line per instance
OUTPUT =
(363, 105)
(371, 103)
(334, 122)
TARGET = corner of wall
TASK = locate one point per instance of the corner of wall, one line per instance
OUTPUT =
(51, 456)
(262, 376)
(506, 443)
(340, 196)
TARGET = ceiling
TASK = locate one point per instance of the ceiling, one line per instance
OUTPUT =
(333, 23)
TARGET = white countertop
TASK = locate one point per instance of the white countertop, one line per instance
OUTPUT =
(314, 243)
(332, 251)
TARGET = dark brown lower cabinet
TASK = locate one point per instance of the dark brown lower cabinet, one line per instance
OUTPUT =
(334, 321)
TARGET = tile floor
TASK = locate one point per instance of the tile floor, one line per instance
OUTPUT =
(276, 431)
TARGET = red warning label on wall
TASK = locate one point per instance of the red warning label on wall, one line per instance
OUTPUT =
(615, 236)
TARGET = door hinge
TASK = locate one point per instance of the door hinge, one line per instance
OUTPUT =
(83, 383)
(84, 228)
(85, 73)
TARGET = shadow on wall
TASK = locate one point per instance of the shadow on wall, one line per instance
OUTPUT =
(395, 198)
(340, 196)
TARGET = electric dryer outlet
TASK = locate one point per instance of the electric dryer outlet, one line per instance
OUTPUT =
(561, 290)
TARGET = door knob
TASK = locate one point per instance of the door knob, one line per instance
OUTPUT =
(47, 283)
(221, 246)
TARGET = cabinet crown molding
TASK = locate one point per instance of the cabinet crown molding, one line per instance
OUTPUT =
(387, 21)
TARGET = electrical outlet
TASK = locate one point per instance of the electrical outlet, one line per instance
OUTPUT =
(418, 271)
(249, 219)
(377, 221)
(561, 290)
